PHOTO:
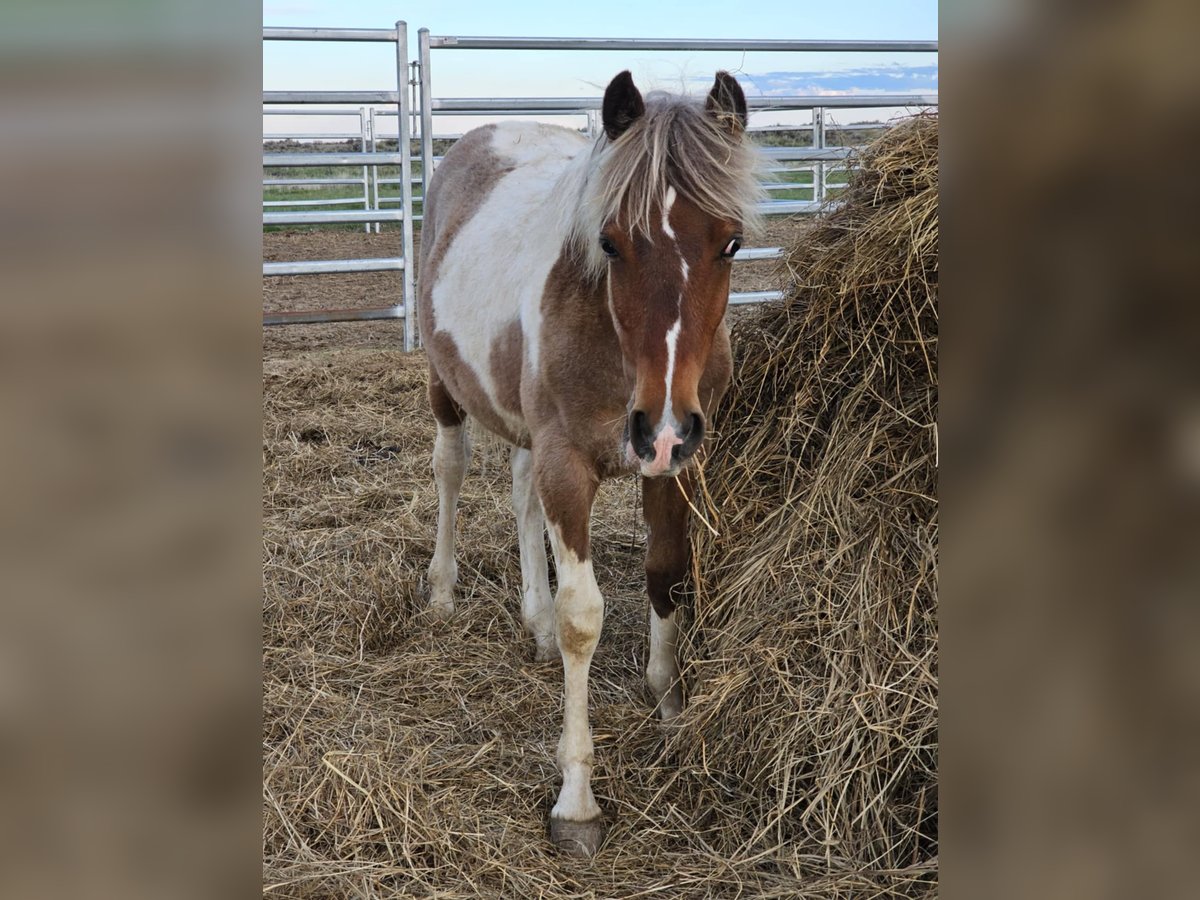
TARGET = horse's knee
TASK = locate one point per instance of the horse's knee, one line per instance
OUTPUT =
(578, 609)
(450, 451)
(578, 620)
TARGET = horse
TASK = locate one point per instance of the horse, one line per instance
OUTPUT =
(571, 300)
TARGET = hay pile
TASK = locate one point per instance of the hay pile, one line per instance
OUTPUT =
(408, 757)
(813, 657)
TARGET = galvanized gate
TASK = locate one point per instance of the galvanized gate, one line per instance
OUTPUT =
(404, 307)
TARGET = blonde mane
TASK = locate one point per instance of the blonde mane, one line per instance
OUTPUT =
(676, 143)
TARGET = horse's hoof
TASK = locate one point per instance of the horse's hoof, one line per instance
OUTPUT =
(669, 705)
(577, 838)
(544, 653)
(443, 610)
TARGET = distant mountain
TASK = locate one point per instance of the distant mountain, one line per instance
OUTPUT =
(884, 79)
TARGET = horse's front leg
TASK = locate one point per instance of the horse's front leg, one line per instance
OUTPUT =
(668, 552)
(567, 486)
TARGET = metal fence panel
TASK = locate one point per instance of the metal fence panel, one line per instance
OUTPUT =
(368, 161)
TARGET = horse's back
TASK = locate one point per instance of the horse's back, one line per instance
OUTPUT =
(489, 239)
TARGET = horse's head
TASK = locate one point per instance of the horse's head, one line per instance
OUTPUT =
(684, 179)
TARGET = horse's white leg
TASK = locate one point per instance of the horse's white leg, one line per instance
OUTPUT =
(662, 667)
(667, 556)
(567, 489)
(451, 452)
(537, 607)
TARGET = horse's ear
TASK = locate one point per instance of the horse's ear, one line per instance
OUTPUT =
(622, 105)
(726, 103)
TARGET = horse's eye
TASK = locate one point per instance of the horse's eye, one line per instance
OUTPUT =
(608, 247)
(732, 247)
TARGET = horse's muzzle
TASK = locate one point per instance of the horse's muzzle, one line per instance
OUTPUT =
(665, 449)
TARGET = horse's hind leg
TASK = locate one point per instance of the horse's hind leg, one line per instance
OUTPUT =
(451, 452)
(537, 606)
(667, 557)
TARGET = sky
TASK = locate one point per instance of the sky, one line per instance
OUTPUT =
(510, 73)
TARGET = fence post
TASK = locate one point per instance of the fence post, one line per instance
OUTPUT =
(371, 126)
(362, 145)
(407, 292)
(819, 143)
(426, 114)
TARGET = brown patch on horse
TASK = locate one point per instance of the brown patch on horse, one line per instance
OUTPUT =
(445, 408)
(467, 392)
(506, 361)
(567, 484)
(581, 383)
(667, 549)
(572, 639)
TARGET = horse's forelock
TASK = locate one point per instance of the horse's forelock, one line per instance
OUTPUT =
(675, 144)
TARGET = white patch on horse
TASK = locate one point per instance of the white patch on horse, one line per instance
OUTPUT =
(579, 613)
(474, 297)
(662, 668)
(451, 452)
(668, 415)
(668, 202)
(537, 606)
(683, 267)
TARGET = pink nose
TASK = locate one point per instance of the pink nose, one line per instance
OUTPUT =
(664, 443)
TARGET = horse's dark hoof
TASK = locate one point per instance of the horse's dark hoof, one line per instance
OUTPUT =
(577, 838)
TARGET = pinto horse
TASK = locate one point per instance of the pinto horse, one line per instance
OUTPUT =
(571, 299)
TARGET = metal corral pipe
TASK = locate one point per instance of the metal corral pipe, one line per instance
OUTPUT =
(788, 207)
(336, 201)
(330, 218)
(403, 109)
(754, 297)
(309, 112)
(366, 170)
(808, 154)
(581, 105)
(428, 163)
(536, 43)
(783, 186)
(331, 159)
(309, 136)
(331, 266)
(753, 254)
(758, 129)
(818, 142)
(374, 171)
(318, 316)
(829, 126)
(329, 97)
(329, 34)
(299, 182)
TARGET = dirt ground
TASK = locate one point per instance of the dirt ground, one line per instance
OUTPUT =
(381, 288)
